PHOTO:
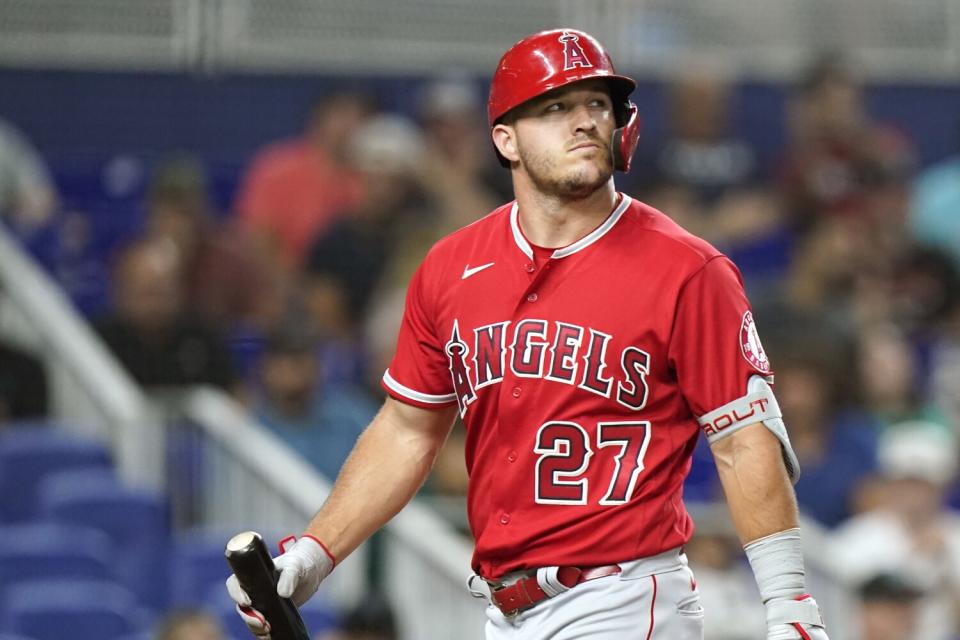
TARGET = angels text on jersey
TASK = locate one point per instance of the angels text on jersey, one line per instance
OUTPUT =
(557, 351)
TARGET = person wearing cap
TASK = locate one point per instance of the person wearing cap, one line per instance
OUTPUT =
(585, 341)
(909, 531)
(889, 608)
(346, 262)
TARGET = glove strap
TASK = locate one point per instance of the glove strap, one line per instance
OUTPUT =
(287, 543)
(803, 610)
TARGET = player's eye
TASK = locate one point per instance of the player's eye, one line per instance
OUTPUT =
(554, 106)
(600, 103)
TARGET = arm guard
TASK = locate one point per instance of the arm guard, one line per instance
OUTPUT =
(759, 405)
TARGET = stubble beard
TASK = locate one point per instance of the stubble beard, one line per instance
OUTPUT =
(574, 184)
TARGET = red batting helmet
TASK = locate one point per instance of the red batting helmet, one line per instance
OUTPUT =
(550, 59)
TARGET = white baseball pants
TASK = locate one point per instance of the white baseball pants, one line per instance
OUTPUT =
(651, 599)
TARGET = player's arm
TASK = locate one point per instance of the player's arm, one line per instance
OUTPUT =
(750, 463)
(388, 465)
(755, 482)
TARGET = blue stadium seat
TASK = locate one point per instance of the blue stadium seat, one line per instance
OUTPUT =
(136, 521)
(46, 550)
(29, 453)
(197, 566)
(10, 636)
(60, 482)
(139, 635)
(74, 609)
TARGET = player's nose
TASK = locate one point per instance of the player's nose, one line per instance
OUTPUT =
(583, 118)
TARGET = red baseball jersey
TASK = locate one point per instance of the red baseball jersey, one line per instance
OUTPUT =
(579, 377)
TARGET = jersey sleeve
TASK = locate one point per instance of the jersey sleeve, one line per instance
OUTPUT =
(419, 373)
(715, 350)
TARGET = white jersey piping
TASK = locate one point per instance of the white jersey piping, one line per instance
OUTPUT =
(412, 394)
(580, 244)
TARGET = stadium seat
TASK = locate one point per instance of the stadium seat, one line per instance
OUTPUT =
(29, 453)
(135, 520)
(197, 566)
(46, 550)
(74, 609)
(139, 635)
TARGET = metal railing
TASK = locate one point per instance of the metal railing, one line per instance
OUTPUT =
(221, 470)
(889, 39)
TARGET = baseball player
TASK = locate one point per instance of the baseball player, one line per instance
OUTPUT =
(586, 341)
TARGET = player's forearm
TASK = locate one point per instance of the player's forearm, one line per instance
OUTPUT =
(755, 482)
(388, 465)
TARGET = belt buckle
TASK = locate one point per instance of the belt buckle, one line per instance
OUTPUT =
(499, 585)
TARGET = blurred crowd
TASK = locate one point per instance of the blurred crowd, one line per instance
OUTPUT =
(850, 250)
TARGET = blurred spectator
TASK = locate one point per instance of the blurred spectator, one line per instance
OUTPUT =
(459, 167)
(707, 179)
(295, 190)
(909, 531)
(152, 331)
(839, 163)
(924, 294)
(320, 421)
(460, 179)
(857, 274)
(346, 263)
(890, 378)
(23, 385)
(934, 205)
(223, 281)
(700, 152)
(28, 197)
(188, 624)
(371, 619)
(834, 441)
(889, 608)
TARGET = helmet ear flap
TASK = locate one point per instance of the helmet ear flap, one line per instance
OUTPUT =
(625, 139)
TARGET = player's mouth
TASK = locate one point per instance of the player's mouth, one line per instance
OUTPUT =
(587, 144)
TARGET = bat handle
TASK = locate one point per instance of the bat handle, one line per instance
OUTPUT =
(250, 561)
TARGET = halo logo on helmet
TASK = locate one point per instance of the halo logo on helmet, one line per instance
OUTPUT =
(573, 55)
(548, 60)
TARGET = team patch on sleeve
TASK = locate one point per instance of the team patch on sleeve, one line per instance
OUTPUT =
(750, 345)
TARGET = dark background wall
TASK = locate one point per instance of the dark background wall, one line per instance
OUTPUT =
(77, 119)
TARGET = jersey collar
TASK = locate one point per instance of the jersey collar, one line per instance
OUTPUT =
(582, 243)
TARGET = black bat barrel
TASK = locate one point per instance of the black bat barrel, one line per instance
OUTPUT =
(250, 561)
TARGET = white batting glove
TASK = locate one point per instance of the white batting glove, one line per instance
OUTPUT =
(303, 565)
(797, 619)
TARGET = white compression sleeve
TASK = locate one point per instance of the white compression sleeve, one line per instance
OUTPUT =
(777, 563)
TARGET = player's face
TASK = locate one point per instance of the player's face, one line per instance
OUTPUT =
(563, 139)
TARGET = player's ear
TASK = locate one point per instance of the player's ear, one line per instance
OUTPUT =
(505, 140)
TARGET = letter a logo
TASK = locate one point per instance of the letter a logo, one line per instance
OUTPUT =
(457, 352)
(573, 55)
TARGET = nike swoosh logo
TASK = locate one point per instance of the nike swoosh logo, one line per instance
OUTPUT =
(467, 271)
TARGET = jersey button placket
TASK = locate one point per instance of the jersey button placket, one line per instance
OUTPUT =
(512, 456)
(505, 518)
(533, 297)
(515, 392)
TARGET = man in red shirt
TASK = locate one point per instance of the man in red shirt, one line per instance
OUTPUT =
(294, 190)
(585, 340)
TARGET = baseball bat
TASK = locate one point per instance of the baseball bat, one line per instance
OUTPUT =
(250, 561)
